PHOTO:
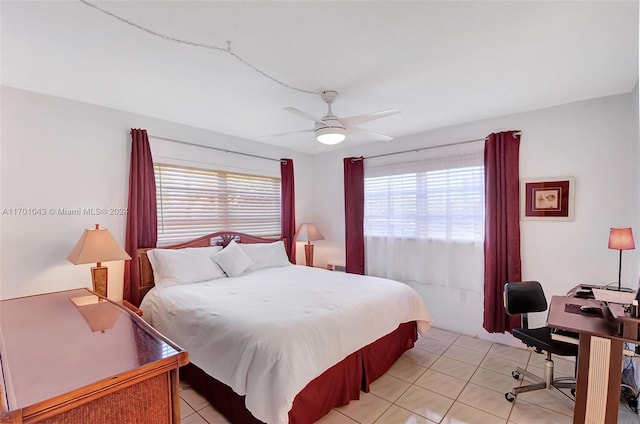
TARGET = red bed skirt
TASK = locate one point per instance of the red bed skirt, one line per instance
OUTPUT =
(335, 387)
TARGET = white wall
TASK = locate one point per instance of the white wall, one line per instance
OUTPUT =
(57, 153)
(592, 141)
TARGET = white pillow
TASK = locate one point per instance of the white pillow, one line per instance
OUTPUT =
(233, 260)
(184, 266)
(266, 255)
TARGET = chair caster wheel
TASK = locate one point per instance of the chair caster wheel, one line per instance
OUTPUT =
(510, 396)
(515, 374)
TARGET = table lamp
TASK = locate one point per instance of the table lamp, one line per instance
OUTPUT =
(97, 245)
(308, 232)
(621, 239)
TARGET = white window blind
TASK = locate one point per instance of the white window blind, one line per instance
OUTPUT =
(440, 199)
(193, 202)
(424, 221)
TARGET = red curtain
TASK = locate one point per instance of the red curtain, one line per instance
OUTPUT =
(502, 227)
(354, 214)
(142, 227)
(288, 207)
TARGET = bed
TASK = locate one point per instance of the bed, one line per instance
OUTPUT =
(274, 342)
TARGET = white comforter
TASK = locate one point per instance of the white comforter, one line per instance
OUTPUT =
(269, 333)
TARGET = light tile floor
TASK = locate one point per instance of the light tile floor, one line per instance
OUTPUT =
(446, 378)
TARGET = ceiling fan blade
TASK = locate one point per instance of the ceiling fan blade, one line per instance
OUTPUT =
(354, 121)
(286, 133)
(302, 114)
(361, 131)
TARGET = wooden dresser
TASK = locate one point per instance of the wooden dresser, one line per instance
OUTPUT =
(68, 357)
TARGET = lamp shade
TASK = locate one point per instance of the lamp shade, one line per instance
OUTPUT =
(96, 245)
(308, 232)
(621, 239)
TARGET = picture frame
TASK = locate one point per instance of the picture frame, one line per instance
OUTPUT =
(547, 199)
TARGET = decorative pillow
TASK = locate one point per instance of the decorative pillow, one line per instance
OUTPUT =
(184, 266)
(233, 260)
(266, 255)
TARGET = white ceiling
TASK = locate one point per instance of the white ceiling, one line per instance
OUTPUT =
(441, 63)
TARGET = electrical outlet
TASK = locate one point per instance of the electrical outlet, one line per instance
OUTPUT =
(462, 296)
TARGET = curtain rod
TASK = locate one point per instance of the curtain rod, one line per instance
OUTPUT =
(515, 133)
(214, 148)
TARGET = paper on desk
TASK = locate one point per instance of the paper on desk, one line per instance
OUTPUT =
(613, 296)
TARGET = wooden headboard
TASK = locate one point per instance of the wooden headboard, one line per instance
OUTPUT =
(221, 238)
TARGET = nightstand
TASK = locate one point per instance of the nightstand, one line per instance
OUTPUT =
(74, 358)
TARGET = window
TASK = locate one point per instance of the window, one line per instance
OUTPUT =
(438, 204)
(424, 221)
(193, 202)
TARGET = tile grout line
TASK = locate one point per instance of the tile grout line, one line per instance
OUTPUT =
(536, 404)
(469, 381)
(426, 368)
(465, 384)
(477, 367)
(481, 352)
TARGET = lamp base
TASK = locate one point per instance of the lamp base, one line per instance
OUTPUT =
(99, 279)
(308, 254)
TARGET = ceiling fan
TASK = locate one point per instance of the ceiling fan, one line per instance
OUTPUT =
(331, 129)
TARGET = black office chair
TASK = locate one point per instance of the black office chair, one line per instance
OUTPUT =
(521, 298)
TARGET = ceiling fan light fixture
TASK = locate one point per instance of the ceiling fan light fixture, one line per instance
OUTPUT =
(332, 130)
(330, 136)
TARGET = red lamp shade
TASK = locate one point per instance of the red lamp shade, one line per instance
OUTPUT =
(621, 239)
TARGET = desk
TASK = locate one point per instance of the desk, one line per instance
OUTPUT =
(599, 358)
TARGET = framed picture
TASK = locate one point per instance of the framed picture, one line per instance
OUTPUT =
(548, 199)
